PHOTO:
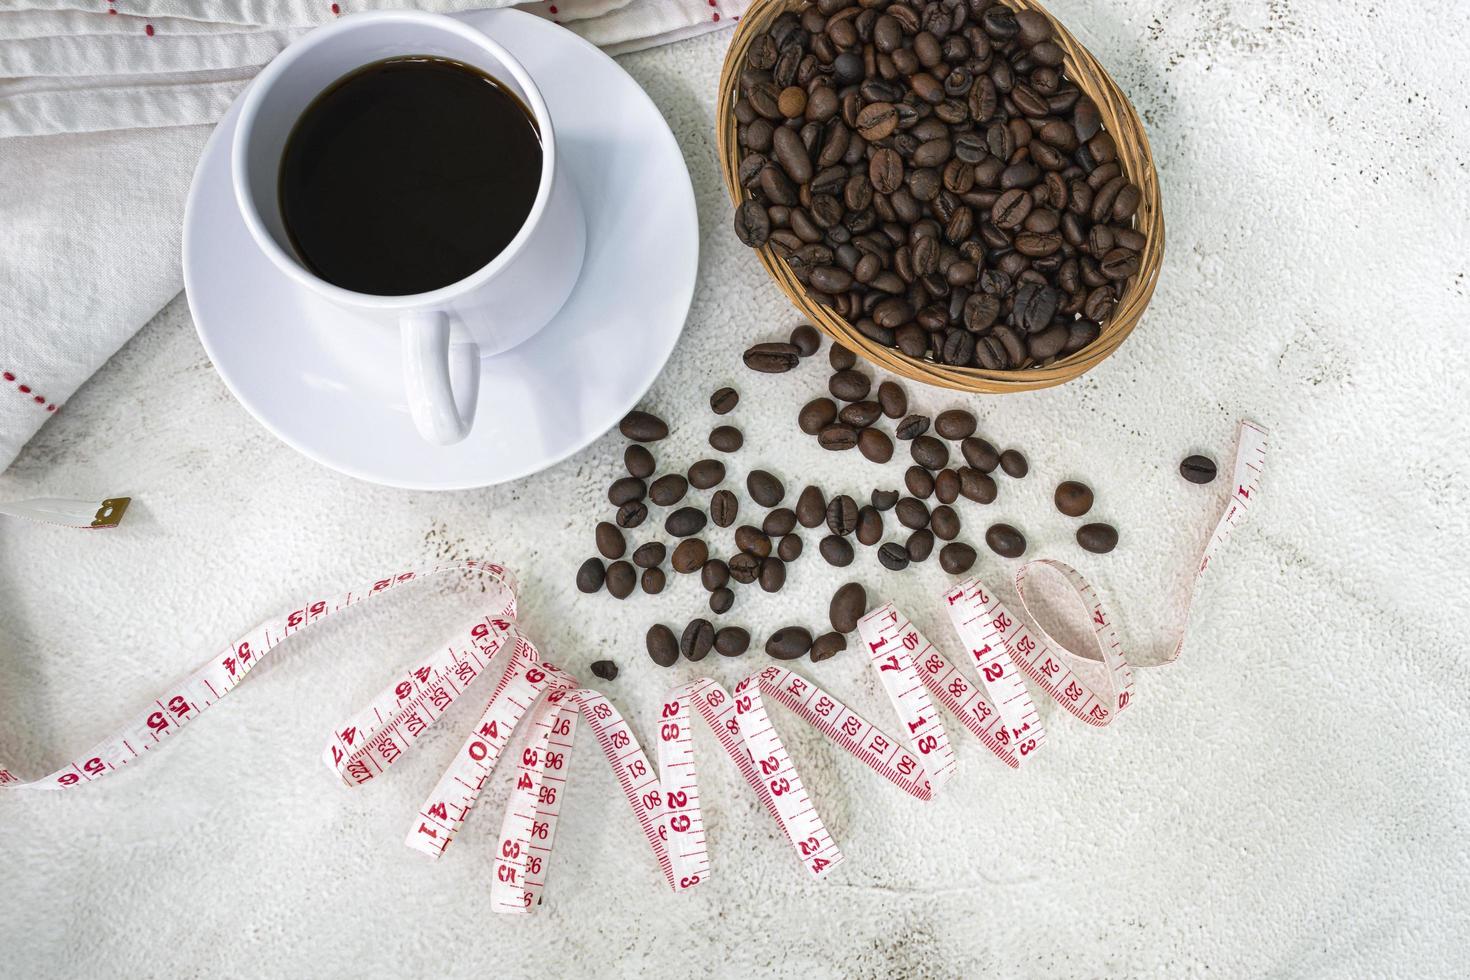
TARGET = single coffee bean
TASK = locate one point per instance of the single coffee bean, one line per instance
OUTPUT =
(980, 454)
(944, 522)
(806, 340)
(726, 438)
(956, 558)
(893, 556)
(684, 522)
(841, 358)
(663, 646)
(875, 445)
(689, 556)
(650, 555)
(811, 507)
(1097, 538)
(639, 461)
(893, 399)
(620, 579)
(668, 489)
(723, 507)
(977, 486)
(626, 490)
(1005, 541)
(753, 540)
(720, 601)
(850, 386)
(947, 486)
(772, 358)
(842, 515)
(816, 415)
(827, 646)
(744, 567)
(698, 640)
(860, 415)
(789, 548)
(920, 546)
(764, 488)
(643, 427)
(955, 424)
(919, 482)
(929, 453)
(752, 224)
(838, 438)
(706, 473)
(723, 401)
(714, 574)
(835, 551)
(772, 574)
(1073, 499)
(653, 580)
(605, 669)
(849, 604)
(732, 641)
(912, 513)
(779, 522)
(884, 499)
(632, 514)
(591, 575)
(1197, 469)
(869, 526)
(789, 643)
(912, 427)
(1013, 463)
(610, 540)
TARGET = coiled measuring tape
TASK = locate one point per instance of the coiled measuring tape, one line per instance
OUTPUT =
(994, 705)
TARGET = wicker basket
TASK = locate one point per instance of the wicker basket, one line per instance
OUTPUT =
(1118, 117)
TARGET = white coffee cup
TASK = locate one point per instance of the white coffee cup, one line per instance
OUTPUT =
(444, 332)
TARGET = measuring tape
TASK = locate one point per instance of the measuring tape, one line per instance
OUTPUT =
(545, 704)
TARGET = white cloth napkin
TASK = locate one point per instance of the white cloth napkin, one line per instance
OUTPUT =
(105, 106)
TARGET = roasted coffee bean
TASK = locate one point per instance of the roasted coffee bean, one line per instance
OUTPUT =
(920, 546)
(838, 438)
(663, 646)
(841, 358)
(753, 540)
(689, 556)
(947, 486)
(893, 556)
(789, 643)
(772, 574)
(929, 453)
(626, 490)
(653, 580)
(779, 522)
(620, 579)
(591, 575)
(859, 415)
(1197, 469)
(869, 526)
(893, 400)
(842, 515)
(1073, 499)
(884, 499)
(956, 558)
(723, 401)
(850, 386)
(764, 488)
(827, 646)
(980, 454)
(650, 555)
(789, 548)
(698, 640)
(912, 513)
(849, 604)
(811, 507)
(1005, 541)
(919, 481)
(1097, 538)
(944, 522)
(875, 445)
(912, 427)
(668, 489)
(605, 669)
(816, 415)
(726, 438)
(977, 486)
(632, 514)
(731, 641)
(706, 473)
(723, 508)
(684, 522)
(835, 550)
(1014, 464)
(772, 358)
(955, 424)
(643, 427)
(638, 461)
(714, 574)
(744, 567)
(752, 224)
(610, 540)
(806, 340)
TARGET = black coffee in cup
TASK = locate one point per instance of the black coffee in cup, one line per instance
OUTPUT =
(408, 175)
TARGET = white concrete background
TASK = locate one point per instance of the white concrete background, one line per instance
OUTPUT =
(1289, 801)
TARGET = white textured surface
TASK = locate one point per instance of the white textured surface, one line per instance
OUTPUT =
(1291, 800)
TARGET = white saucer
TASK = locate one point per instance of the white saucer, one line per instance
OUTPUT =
(330, 385)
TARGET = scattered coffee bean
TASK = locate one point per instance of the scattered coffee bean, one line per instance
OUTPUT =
(653, 580)
(779, 522)
(698, 640)
(753, 540)
(875, 445)
(643, 427)
(689, 556)
(1073, 499)
(977, 486)
(650, 555)
(980, 454)
(850, 386)
(912, 427)
(744, 567)
(591, 575)
(816, 415)
(638, 461)
(720, 601)
(884, 499)
(706, 473)
(920, 546)
(663, 646)
(805, 338)
(929, 453)
(789, 643)
(912, 513)
(838, 438)
(626, 490)
(893, 399)
(620, 579)
(893, 556)
(668, 489)
(944, 522)
(836, 551)
(772, 358)
(1014, 464)
(955, 424)
(726, 438)
(842, 515)
(684, 522)
(1097, 538)
(1197, 469)
(723, 508)
(947, 486)
(723, 401)
(610, 540)
(714, 575)
(956, 558)
(764, 488)
(811, 507)
(772, 574)
(827, 646)
(1005, 541)
(919, 482)
(849, 604)
(632, 514)
(732, 641)
(869, 526)
(860, 415)
(789, 548)
(605, 669)
(841, 358)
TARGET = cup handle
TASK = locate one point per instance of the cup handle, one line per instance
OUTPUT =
(442, 379)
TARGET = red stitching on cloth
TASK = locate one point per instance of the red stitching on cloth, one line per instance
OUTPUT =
(26, 390)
